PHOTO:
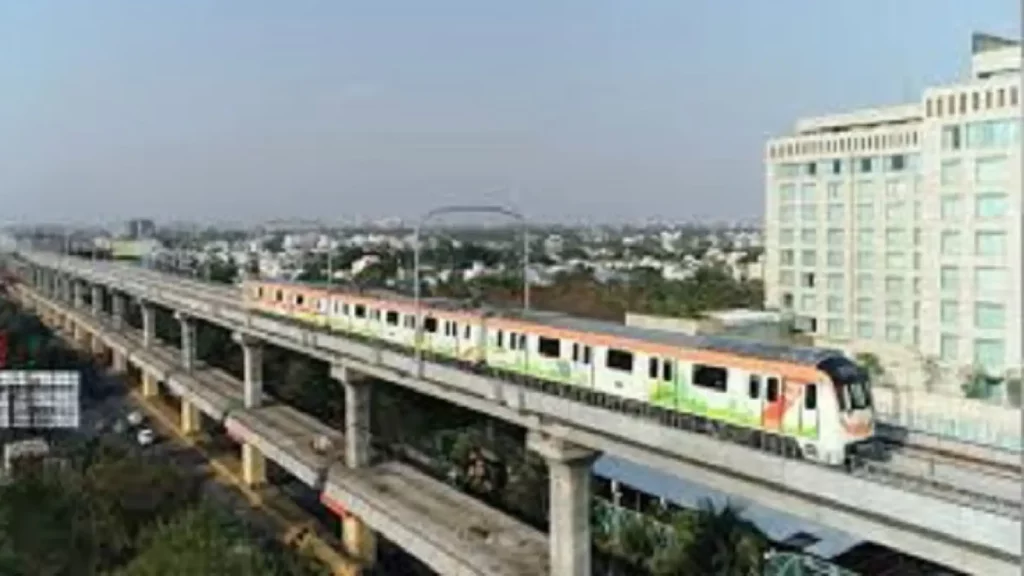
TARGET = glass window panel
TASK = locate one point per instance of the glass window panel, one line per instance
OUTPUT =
(989, 281)
(865, 282)
(949, 279)
(991, 170)
(951, 172)
(990, 355)
(950, 207)
(950, 242)
(989, 316)
(989, 243)
(949, 312)
(990, 205)
(948, 345)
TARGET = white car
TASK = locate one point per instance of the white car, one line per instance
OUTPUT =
(146, 437)
(135, 418)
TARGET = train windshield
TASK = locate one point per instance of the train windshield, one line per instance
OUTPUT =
(853, 388)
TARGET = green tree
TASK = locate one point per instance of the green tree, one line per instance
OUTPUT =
(871, 364)
(202, 540)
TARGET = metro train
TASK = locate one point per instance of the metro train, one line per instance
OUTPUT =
(804, 402)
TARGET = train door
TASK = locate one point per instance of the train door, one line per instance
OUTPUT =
(809, 412)
(792, 416)
(773, 404)
(582, 367)
(661, 375)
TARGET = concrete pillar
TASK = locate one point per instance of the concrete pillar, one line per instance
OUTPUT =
(148, 324)
(569, 471)
(359, 540)
(97, 300)
(119, 307)
(190, 417)
(149, 385)
(188, 340)
(252, 356)
(120, 362)
(79, 290)
(254, 467)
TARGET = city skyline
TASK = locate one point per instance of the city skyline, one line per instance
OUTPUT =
(207, 112)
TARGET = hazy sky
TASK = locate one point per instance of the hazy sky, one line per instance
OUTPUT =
(251, 109)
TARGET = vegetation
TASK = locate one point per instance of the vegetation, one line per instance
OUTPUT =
(98, 508)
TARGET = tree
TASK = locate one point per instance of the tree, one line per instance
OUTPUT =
(202, 540)
(872, 365)
(932, 372)
(1013, 388)
(976, 383)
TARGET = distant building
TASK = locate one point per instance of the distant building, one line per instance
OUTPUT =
(139, 229)
(765, 326)
(899, 228)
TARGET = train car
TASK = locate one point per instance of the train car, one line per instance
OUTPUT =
(804, 401)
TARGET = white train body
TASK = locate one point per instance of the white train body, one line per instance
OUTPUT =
(804, 401)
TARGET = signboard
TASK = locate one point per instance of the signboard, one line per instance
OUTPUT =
(37, 399)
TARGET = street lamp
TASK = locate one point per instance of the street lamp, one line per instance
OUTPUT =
(416, 258)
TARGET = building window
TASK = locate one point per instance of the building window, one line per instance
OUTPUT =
(989, 316)
(807, 258)
(949, 279)
(865, 260)
(865, 238)
(1013, 96)
(807, 193)
(787, 193)
(786, 257)
(896, 238)
(895, 260)
(865, 190)
(835, 282)
(811, 169)
(949, 243)
(836, 213)
(949, 313)
(835, 192)
(787, 214)
(895, 189)
(893, 285)
(836, 236)
(864, 307)
(865, 165)
(948, 345)
(949, 207)
(809, 213)
(990, 244)
(786, 236)
(895, 210)
(990, 355)
(808, 236)
(897, 163)
(951, 138)
(950, 172)
(834, 258)
(990, 170)
(989, 281)
(837, 167)
(865, 282)
(993, 134)
(893, 309)
(865, 213)
(835, 304)
(835, 327)
(865, 329)
(808, 302)
(807, 280)
(786, 277)
(893, 333)
(990, 205)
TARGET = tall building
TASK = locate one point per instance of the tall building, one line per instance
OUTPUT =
(897, 230)
(139, 229)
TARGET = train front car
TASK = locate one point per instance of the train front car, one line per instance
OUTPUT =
(854, 403)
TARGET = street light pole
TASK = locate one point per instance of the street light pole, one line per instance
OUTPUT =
(416, 259)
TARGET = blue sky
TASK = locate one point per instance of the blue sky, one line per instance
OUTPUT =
(609, 110)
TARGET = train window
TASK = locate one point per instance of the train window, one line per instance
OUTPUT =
(586, 354)
(360, 311)
(754, 390)
(409, 322)
(711, 377)
(374, 314)
(279, 296)
(513, 341)
(773, 389)
(391, 317)
(430, 324)
(259, 292)
(467, 332)
(337, 307)
(500, 339)
(811, 397)
(575, 352)
(652, 368)
(666, 370)
(344, 309)
(455, 329)
(299, 299)
(619, 360)
(550, 347)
